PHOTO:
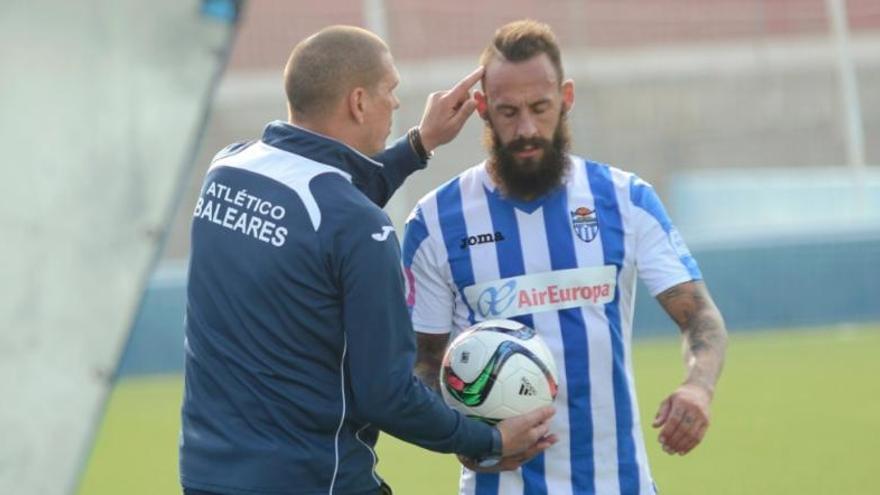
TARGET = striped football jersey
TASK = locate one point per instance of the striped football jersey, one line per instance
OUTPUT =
(565, 264)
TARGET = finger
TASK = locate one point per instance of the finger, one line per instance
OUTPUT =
(694, 439)
(551, 438)
(697, 437)
(689, 433)
(688, 445)
(686, 426)
(520, 432)
(662, 414)
(545, 442)
(540, 415)
(540, 431)
(537, 448)
(545, 425)
(679, 439)
(464, 86)
(461, 115)
(673, 422)
(535, 435)
(458, 99)
(532, 451)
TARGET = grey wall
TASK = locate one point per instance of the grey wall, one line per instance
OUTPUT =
(101, 102)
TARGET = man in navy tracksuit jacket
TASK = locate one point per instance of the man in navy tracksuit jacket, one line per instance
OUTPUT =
(299, 347)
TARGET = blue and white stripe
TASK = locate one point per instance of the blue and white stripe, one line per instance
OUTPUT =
(601, 449)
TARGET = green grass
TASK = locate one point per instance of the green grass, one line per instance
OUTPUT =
(795, 412)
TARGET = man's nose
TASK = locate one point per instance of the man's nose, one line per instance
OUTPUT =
(526, 128)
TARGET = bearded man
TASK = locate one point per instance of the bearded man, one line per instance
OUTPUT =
(552, 223)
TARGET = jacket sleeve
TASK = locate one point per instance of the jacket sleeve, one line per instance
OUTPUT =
(380, 345)
(399, 162)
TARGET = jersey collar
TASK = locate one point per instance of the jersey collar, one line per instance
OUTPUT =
(320, 148)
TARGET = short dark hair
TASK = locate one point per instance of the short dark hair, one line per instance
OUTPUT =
(519, 41)
(330, 63)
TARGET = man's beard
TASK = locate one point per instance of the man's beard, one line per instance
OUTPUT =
(530, 178)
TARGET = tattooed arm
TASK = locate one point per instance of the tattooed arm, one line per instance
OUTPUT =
(429, 357)
(684, 415)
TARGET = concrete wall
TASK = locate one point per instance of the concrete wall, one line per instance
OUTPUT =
(101, 103)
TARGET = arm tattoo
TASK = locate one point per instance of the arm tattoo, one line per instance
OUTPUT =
(705, 337)
(429, 358)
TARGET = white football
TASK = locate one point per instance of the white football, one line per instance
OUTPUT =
(497, 369)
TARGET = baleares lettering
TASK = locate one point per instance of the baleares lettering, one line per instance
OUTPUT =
(243, 213)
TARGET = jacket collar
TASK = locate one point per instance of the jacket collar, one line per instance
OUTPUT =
(320, 148)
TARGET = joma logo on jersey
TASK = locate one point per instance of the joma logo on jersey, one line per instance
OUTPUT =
(481, 239)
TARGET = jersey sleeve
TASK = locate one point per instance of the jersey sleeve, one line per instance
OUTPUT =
(428, 295)
(380, 344)
(662, 257)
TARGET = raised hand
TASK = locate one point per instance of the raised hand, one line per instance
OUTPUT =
(447, 111)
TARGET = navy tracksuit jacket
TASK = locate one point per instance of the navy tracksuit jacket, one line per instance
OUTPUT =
(299, 346)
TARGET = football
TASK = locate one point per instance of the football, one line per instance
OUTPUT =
(497, 369)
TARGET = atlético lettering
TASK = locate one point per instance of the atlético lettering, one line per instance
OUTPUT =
(242, 212)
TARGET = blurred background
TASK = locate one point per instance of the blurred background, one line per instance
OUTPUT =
(757, 120)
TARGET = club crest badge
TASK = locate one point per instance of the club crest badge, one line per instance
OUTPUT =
(584, 223)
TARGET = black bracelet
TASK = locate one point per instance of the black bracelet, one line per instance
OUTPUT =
(415, 140)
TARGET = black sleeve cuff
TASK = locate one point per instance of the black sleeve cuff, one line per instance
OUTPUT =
(497, 443)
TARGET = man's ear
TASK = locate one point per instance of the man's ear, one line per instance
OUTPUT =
(356, 104)
(567, 95)
(482, 104)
